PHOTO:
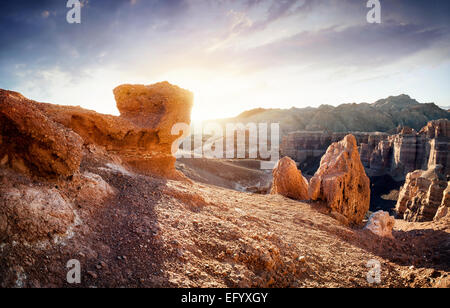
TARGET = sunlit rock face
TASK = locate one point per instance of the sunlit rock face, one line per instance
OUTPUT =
(438, 134)
(342, 182)
(409, 150)
(141, 135)
(422, 195)
(153, 111)
(288, 181)
(32, 143)
(443, 212)
(47, 140)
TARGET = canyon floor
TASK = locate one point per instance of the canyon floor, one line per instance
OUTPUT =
(160, 233)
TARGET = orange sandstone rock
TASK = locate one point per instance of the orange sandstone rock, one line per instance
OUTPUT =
(141, 136)
(289, 181)
(34, 144)
(342, 182)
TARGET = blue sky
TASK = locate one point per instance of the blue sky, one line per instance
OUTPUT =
(234, 55)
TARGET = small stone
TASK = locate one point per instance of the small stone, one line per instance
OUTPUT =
(381, 224)
(93, 275)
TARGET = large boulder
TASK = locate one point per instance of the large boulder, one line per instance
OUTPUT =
(342, 182)
(34, 144)
(381, 224)
(421, 195)
(289, 181)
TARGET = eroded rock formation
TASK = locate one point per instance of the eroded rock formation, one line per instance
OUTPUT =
(32, 143)
(307, 147)
(381, 154)
(51, 142)
(381, 224)
(443, 211)
(342, 182)
(422, 194)
(141, 136)
(410, 150)
(288, 181)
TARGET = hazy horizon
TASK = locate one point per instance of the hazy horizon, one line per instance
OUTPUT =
(234, 55)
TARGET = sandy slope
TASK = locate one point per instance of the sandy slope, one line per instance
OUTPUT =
(158, 233)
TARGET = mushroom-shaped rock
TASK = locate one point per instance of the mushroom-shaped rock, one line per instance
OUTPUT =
(289, 181)
(158, 106)
(381, 224)
(142, 135)
(342, 182)
(154, 110)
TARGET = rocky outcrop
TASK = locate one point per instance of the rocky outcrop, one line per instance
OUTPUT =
(422, 195)
(51, 142)
(44, 139)
(381, 154)
(436, 129)
(409, 150)
(289, 181)
(306, 148)
(141, 136)
(381, 224)
(342, 182)
(443, 211)
(33, 213)
(438, 134)
(401, 154)
(32, 143)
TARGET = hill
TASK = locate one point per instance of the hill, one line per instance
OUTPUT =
(384, 115)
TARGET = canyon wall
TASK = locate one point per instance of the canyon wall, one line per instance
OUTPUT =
(381, 154)
(306, 148)
(423, 196)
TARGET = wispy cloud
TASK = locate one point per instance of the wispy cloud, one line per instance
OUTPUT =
(270, 45)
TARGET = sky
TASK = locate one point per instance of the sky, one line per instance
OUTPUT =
(234, 55)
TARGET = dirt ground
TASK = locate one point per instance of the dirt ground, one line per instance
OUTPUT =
(158, 233)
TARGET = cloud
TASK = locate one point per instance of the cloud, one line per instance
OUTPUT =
(284, 40)
(364, 46)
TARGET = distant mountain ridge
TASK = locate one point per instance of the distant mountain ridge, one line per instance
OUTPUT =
(384, 115)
